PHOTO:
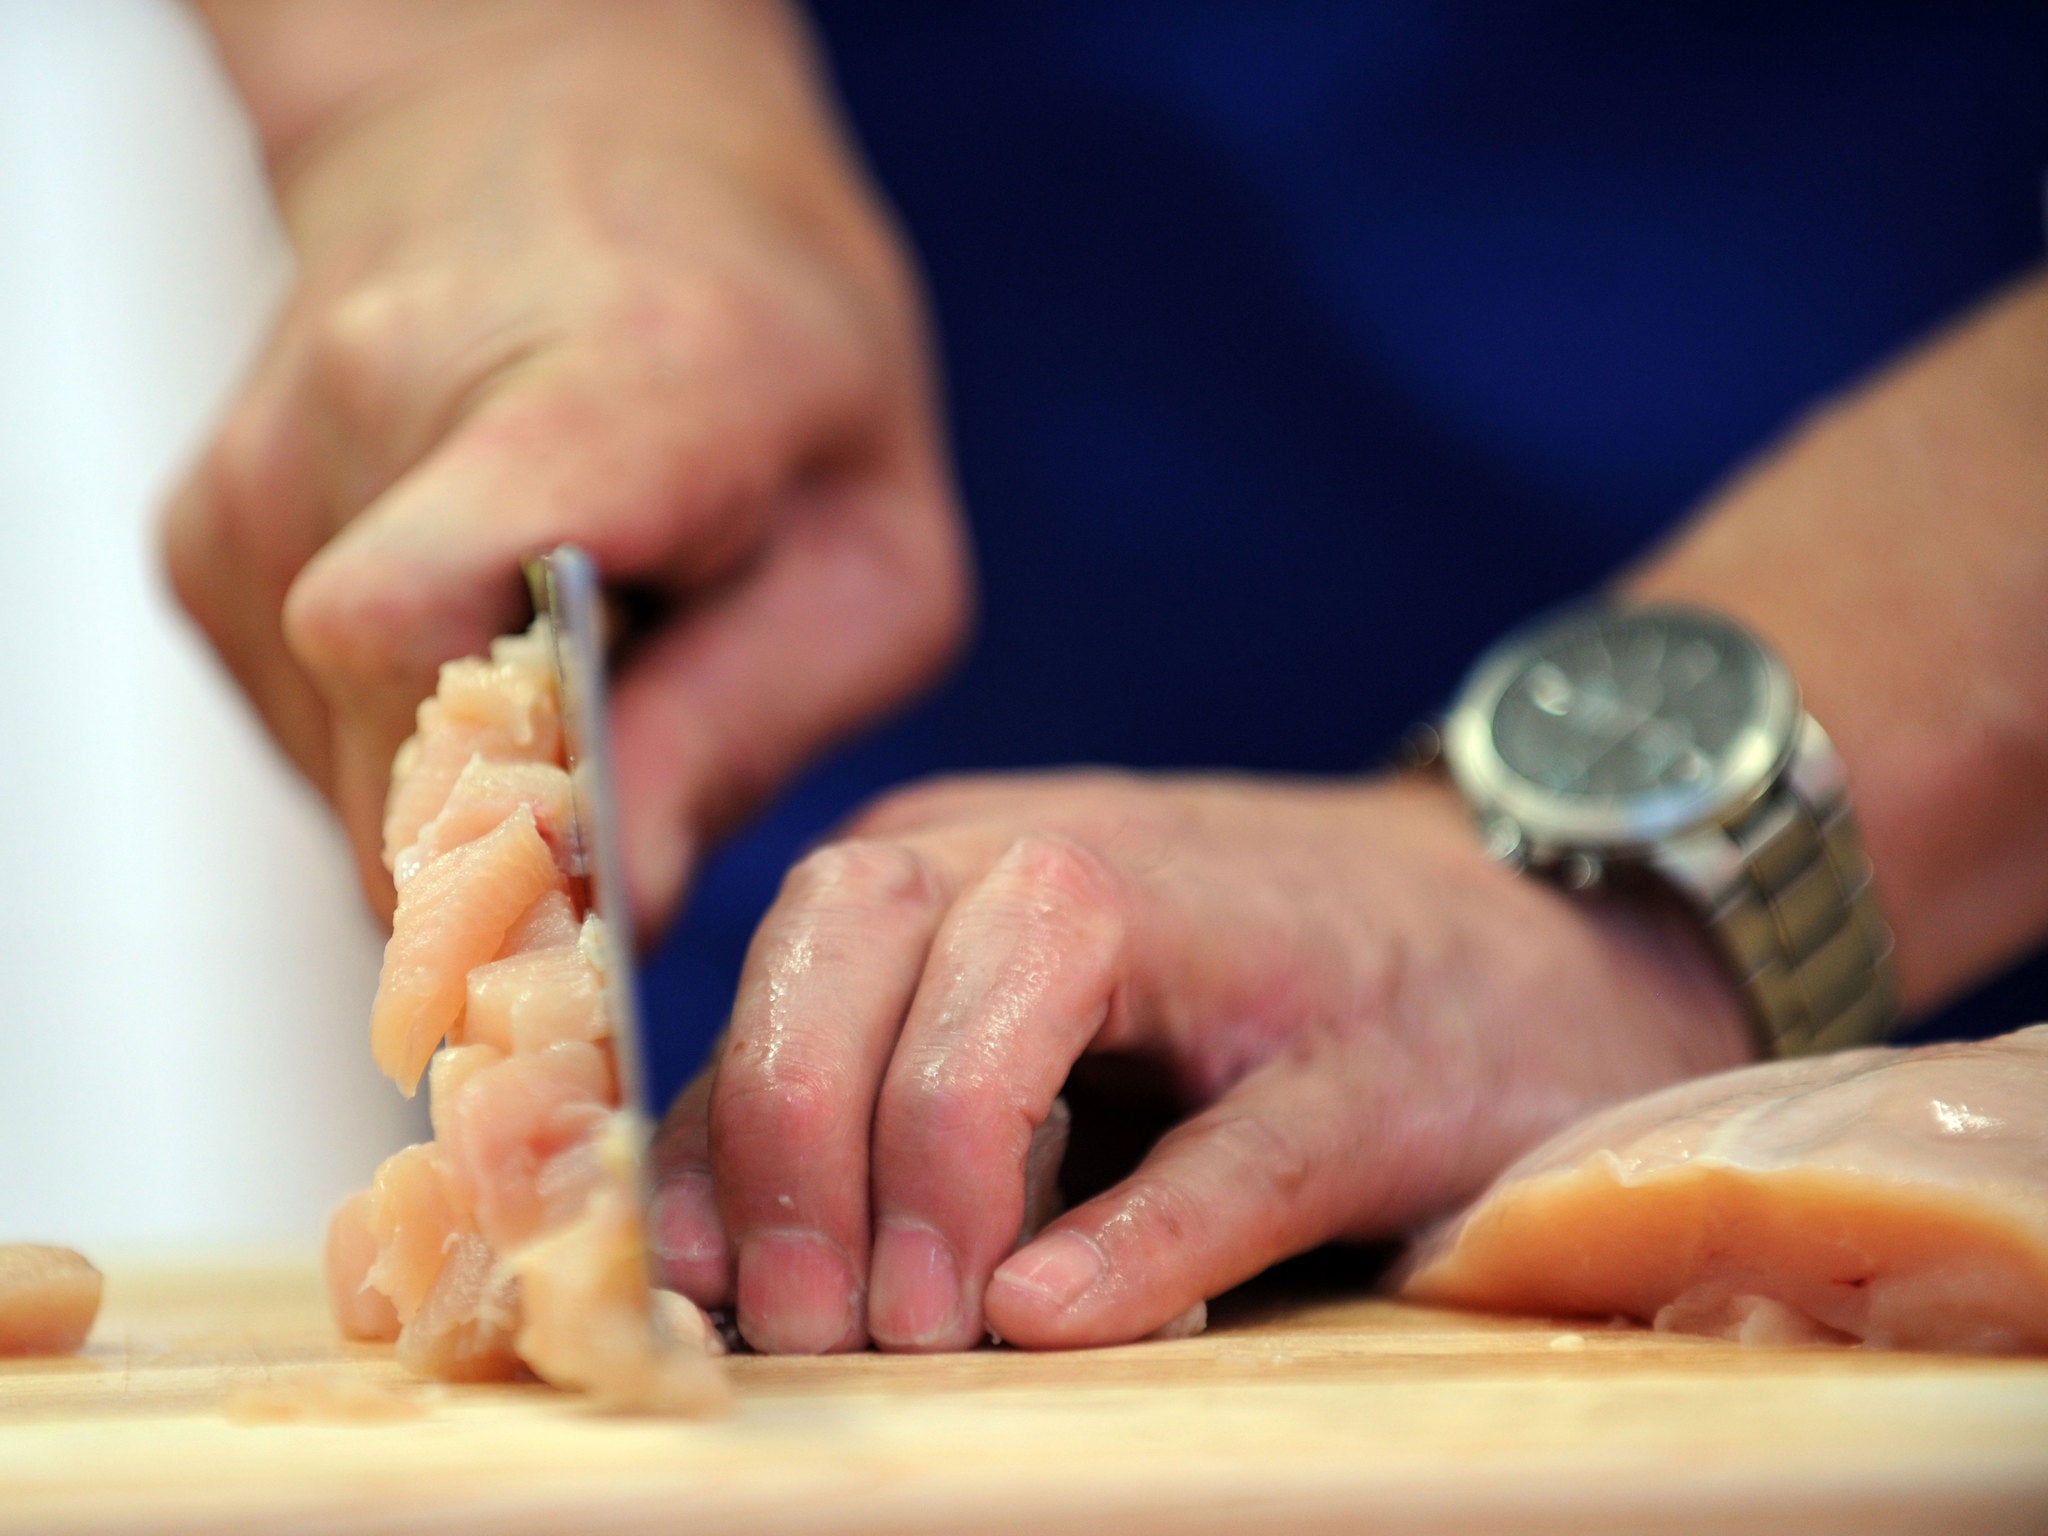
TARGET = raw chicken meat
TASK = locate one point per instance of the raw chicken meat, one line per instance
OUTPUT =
(484, 794)
(513, 1240)
(48, 1299)
(1897, 1198)
(532, 999)
(503, 710)
(452, 917)
(361, 1311)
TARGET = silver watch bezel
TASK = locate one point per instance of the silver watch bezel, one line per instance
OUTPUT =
(1553, 825)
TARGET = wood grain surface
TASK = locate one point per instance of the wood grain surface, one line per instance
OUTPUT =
(1296, 1414)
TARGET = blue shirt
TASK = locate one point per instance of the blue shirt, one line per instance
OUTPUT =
(1296, 350)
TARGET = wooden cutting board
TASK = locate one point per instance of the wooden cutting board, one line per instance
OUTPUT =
(1294, 1415)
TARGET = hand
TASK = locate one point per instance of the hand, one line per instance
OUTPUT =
(593, 273)
(1364, 1017)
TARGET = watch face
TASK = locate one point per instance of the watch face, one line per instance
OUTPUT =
(1618, 725)
(1627, 706)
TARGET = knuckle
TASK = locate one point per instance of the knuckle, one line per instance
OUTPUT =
(235, 511)
(859, 875)
(241, 485)
(923, 578)
(348, 619)
(1162, 1211)
(943, 614)
(328, 622)
(357, 343)
(1057, 877)
(763, 1099)
(677, 322)
(951, 1098)
(1265, 1155)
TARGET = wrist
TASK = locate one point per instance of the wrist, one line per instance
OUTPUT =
(301, 66)
(1546, 1003)
(1639, 928)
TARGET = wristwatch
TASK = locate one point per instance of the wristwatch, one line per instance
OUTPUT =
(1670, 741)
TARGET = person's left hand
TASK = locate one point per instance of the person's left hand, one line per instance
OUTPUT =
(1364, 1016)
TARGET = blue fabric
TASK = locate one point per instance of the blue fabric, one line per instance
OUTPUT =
(1298, 349)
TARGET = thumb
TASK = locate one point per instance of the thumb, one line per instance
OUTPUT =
(1268, 1170)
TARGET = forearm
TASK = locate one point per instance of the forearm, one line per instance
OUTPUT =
(1895, 551)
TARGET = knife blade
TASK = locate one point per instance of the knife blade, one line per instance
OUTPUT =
(566, 591)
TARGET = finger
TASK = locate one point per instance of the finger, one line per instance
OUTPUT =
(822, 995)
(233, 537)
(1048, 1149)
(684, 1233)
(858, 603)
(1025, 973)
(1270, 1169)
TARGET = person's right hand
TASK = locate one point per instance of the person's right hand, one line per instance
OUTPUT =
(593, 273)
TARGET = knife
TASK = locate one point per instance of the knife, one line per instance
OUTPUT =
(567, 593)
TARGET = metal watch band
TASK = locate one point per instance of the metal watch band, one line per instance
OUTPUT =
(1787, 893)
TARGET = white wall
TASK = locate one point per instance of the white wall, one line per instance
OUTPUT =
(185, 969)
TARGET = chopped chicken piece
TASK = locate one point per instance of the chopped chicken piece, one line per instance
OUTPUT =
(452, 917)
(541, 997)
(486, 793)
(509, 1122)
(584, 1294)
(463, 1328)
(1897, 1198)
(452, 1067)
(48, 1299)
(360, 1309)
(502, 709)
(412, 1212)
(549, 921)
(513, 1240)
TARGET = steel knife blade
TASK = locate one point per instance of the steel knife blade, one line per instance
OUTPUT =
(566, 591)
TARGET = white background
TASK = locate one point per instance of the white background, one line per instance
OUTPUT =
(185, 968)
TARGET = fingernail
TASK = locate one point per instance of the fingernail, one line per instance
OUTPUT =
(914, 1292)
(688, 1239)
(1058, 1269)
(795, 1293)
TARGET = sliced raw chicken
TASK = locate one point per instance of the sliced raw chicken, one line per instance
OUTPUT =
(502, 709)
(1894, 1197)
(537, 998)
(511, 1120)
(483, 795)
(48, 1299)
(584, 1289)
(513, 1240)
(550, 921)
(452, 917)
(360, 1309)
(464, 1326)
(452, 1068)
(412, 1211)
